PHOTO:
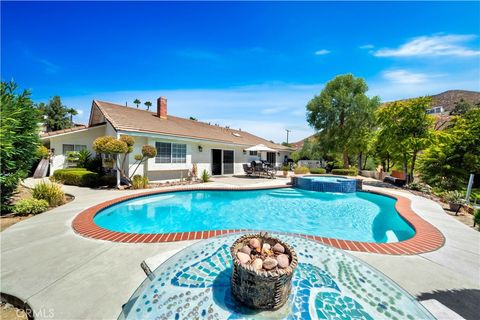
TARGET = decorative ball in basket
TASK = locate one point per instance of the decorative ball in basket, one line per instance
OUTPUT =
(263, 267)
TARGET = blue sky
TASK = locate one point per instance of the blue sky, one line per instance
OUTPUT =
(250, 65)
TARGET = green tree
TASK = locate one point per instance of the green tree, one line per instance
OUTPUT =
(148, 152)
(119, 148)
(71, 112)
(447, 163)
(461, 107)
(148, 104)
(405, 130)
(137, 102)
(56, 115)
(19, 138)
(340, 113)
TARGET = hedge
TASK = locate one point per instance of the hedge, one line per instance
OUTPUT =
(318, 171)
(301, 170)
(80, 177)
(72, 169)
(345, 172)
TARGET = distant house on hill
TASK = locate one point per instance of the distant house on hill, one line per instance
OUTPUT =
(444, 103)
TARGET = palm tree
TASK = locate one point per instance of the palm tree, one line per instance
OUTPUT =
(72, 112)
(137, 102)
(148, 104)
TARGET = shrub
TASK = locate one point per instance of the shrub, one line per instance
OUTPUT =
(49, 191)
(345, 172)
(108, 180)
(318, 171)
(72, 156)
(95, 165)
(110, 145)
(30, 206)
(454, 197)
(19, 138)
(301, 170)
(205, 176)
(476, 218)
(139, 182)
(80, 177)
(83, 158)
(422, 187)
(149, 151)
(42, 152)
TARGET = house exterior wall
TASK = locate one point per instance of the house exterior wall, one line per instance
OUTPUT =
(158, 171)
(85, 137)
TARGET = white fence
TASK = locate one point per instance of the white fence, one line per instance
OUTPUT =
(311, 163)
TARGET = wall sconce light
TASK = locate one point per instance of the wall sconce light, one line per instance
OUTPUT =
(200, 148)
(244, 151)
(278, 153)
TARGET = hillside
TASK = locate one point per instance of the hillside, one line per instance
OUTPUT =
(445, 99)
(448, 98)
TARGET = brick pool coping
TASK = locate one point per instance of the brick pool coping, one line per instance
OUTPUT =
(427, 238)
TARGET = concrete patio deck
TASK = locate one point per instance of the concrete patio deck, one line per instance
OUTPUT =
(66, 276)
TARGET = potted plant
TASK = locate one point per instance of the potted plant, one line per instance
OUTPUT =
(454, 199)
(285, 170)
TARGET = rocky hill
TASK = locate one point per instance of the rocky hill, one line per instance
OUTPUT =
(448, 98)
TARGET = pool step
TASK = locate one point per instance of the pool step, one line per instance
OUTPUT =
(286, 193)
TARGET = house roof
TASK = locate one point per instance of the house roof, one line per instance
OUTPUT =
(299, 144)
(78, 127)
(131, 119)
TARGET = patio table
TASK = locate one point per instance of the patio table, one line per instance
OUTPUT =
(327, 284)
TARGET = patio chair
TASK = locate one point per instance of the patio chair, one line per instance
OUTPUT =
(247, 169)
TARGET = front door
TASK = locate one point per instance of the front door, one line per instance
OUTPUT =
(272, 158)
(216, 162)
(227, 162)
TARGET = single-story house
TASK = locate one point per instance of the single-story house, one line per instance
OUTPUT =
(180, 142)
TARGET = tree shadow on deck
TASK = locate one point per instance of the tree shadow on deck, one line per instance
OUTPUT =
(465, 302)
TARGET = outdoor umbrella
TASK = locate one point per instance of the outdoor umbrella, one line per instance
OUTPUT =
(260, 147)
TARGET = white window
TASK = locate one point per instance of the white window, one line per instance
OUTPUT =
(171, 152)
(253, 153)
(73, 147)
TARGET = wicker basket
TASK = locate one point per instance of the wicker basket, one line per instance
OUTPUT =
(260, 289)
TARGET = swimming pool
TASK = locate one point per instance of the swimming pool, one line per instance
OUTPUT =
(358, 216)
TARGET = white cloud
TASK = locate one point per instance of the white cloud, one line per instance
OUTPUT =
(322, 52)
(435, 45)
(273, 110)
(405, 76)
(367, 46)
(421, 84)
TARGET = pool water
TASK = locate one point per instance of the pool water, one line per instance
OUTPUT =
(358, 216)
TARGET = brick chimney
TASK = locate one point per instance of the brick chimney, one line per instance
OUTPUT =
(162, 107)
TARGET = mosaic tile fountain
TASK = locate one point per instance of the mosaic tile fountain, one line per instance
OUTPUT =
(328, 284)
